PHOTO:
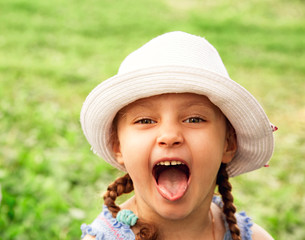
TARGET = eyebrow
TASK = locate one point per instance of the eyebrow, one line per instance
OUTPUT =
(208, 106)
(205, 104)
(194, 103)
(140, 104)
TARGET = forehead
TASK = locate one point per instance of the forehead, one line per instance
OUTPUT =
(179, 99)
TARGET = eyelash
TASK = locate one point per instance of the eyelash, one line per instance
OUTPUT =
(189, 120)
(197, 120)
(145, 121)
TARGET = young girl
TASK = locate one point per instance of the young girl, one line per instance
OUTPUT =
(178, 125)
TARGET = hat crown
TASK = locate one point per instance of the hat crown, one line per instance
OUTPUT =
(175, 49)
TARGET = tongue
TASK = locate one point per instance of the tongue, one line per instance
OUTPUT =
(172, 183)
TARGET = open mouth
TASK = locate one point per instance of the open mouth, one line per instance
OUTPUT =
(172, 179)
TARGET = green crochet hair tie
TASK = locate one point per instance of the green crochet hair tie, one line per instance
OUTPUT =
(127, 217)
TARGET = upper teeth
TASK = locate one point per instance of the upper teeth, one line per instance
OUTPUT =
(168, 163)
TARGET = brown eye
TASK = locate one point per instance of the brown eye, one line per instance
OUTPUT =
(145, 121)
(194, 120)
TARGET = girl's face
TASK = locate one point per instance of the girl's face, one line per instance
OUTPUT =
(172, 146)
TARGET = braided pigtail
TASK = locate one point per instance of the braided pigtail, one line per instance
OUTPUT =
(229, 209)
(118, 187)
(147, 231)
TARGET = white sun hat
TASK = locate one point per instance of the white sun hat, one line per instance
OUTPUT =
(179, 62)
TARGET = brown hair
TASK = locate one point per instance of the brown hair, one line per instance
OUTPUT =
(147, 230)
(125, 185)
(229, 209)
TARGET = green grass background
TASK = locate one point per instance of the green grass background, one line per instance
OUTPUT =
(52, 53)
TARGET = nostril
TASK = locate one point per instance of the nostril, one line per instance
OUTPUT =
(169, 144)
(170, 139)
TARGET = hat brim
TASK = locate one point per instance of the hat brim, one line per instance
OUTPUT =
(254, 133)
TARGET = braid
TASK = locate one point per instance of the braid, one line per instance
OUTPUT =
(118, 187)
(225, 188)
(147, 231)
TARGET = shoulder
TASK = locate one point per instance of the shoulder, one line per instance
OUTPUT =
(105, 227)
(88, 237)
(250, 230)
(258, 233)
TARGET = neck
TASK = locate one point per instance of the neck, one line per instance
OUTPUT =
(197, 225)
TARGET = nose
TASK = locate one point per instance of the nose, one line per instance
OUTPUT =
(170, 136)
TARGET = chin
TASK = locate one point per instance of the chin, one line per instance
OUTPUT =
(172, 211)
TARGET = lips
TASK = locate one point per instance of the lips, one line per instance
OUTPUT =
(172, 178)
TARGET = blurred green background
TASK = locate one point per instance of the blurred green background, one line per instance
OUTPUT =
(52, 53)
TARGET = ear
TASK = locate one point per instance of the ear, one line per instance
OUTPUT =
(117, 151)
(230, 147)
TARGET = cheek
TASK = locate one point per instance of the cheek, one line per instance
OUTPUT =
(137, 165)
(208, 148)
(213, 139)
(135, 150)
